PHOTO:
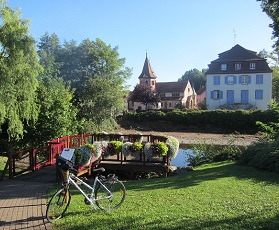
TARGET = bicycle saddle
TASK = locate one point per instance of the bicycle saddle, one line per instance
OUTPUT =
(99, 170)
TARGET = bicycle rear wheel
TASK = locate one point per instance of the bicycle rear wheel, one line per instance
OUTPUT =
(118, 191)
(58, 204)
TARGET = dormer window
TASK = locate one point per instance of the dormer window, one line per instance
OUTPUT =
(252, 65)
(237, 66)
(223, 66)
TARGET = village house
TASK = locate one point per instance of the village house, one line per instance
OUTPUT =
(172, 94)
(238, 79)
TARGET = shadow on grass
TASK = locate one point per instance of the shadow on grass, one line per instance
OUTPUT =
(251, 221)
(215, 171)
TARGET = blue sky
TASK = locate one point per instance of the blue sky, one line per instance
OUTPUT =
(178, 35)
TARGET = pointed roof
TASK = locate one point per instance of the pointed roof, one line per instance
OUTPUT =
(238, 53)
(147, 71)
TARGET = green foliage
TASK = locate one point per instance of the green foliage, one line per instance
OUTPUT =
(271, 129)
(84, 154)
(263, 154)
(144, 94)
(196, 78)
(201, 153)
(19, 68)
(57, 115)
(204, 153)
(136, 147)
(222, 121)
(113, 147)
(131, 147)
(271, 8)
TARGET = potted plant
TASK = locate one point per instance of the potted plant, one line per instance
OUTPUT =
(113, 147)
(84, 155)
(155, 150)
(128, 148)
(173, 145)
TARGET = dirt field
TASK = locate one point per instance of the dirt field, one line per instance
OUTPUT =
(209, 138)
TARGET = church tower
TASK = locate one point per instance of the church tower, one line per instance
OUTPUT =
(148, 76)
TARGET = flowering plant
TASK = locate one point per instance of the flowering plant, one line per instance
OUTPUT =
(84, 155)
(100, 148)
(113, 147)
(129, 147)
(159, 149)
(173, 145)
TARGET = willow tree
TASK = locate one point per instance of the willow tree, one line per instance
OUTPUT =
(19, 69)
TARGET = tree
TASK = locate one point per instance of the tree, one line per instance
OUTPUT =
(271, 8)
(143, 94)
(101, 88)
(57, 115)
(48, 50)
(196, 78)
(19, 68)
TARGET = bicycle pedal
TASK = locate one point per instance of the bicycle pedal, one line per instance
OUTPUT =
(87, 201)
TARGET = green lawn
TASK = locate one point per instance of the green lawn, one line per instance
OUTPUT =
(3, 161)
(214, 196)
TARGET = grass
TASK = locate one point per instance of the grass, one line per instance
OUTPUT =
(213, 196)
(3, 161)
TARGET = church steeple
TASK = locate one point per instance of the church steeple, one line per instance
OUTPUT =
(148, 76)
(147, 71)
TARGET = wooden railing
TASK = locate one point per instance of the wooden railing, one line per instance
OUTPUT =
(36, 158)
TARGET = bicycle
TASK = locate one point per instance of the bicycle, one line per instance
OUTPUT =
(108, 193)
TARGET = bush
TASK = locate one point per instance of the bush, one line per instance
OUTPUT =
(262, 155)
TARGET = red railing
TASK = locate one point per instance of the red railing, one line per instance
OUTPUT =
(36, 158)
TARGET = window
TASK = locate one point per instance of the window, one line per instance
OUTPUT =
(259, 79)
(259, 94)
(237, 66)
(216, 94)
(252, 65)
(244, 79)
(224, 67)
(170, 104)
(230, 80)
(175, 94)
(153, 82)
(216, 80)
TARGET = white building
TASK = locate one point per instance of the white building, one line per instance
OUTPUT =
(238, 79)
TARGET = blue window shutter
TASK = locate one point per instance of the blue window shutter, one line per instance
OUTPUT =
(226, 80)
(249, 79)
(212, 94)
(234, 79)
(240, 79)
(221, 94)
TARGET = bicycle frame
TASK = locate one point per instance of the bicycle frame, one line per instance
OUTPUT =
(71, 181)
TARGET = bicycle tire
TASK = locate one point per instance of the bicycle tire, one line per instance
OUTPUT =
(58, 204)
(118, 190)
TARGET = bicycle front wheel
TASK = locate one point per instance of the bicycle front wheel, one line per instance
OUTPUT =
(103, 199)
(58, 205)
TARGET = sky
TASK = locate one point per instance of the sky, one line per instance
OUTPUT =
(177, 35)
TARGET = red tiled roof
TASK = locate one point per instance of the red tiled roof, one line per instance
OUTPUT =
(201, 90)
(171, 87)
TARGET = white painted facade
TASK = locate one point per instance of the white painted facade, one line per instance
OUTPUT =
(237, 93)
(238, 79)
